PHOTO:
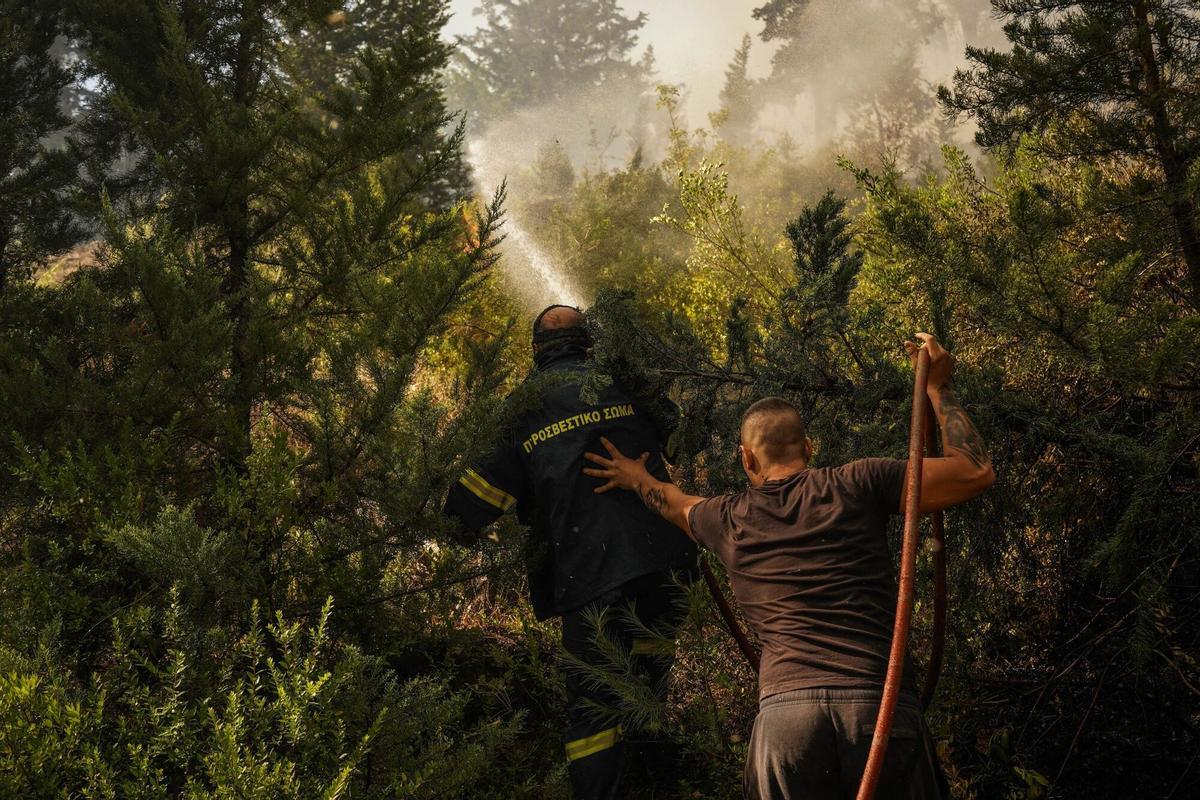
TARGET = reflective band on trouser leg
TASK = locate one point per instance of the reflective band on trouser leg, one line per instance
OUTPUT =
(590, 745)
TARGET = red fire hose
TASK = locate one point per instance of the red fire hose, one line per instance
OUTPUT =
(906, 594)
(922, 440)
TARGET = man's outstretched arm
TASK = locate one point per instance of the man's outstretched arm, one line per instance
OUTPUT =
(622, 472)
(965, 470)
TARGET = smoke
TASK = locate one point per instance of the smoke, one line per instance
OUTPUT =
(851, 41)
(857, 77)
(851, 55)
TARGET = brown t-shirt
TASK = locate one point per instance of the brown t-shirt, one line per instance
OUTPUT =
(809, 563)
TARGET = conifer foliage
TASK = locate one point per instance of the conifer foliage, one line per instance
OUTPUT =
(1111, 80)
(738, 101)
(234, 408)
(532, 52)
(35, 176)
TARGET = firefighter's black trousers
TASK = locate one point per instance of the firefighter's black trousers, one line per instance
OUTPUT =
(598, 750)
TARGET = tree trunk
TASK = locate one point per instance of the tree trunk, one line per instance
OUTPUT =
(1175, 170)
(241, 364)
(237, 285)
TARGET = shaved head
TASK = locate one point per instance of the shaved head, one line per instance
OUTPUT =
(556, 317)
(775, 431)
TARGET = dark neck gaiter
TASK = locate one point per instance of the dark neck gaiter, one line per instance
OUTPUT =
(558, 352)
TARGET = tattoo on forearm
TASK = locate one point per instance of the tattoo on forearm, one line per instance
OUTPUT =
(654, 498)
(958, 431)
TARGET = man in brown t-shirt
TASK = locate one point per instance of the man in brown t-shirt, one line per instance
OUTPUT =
(808, 560)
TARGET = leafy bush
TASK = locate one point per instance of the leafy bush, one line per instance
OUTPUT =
(280, 711)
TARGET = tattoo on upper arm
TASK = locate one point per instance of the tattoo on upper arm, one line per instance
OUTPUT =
(654, 498)
(958, 430)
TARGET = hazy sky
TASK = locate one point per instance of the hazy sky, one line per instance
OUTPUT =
(693, 41)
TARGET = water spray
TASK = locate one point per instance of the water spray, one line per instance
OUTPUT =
(543, 282)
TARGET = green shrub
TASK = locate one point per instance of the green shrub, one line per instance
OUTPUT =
(280, 712)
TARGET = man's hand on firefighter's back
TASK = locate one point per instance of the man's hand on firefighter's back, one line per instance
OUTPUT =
(621, 471)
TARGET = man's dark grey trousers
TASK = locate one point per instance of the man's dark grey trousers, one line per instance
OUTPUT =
(811, 744)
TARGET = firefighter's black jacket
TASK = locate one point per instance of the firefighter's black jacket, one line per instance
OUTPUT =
(590, 542)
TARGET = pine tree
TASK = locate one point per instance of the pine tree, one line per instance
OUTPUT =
(254, 174)
(782, 22)
(739, 104)
(36, 179)
(533, 52)
(274, 281)
(1112, 80)
(326, 55)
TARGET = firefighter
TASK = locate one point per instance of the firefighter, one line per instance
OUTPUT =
(601, 554)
